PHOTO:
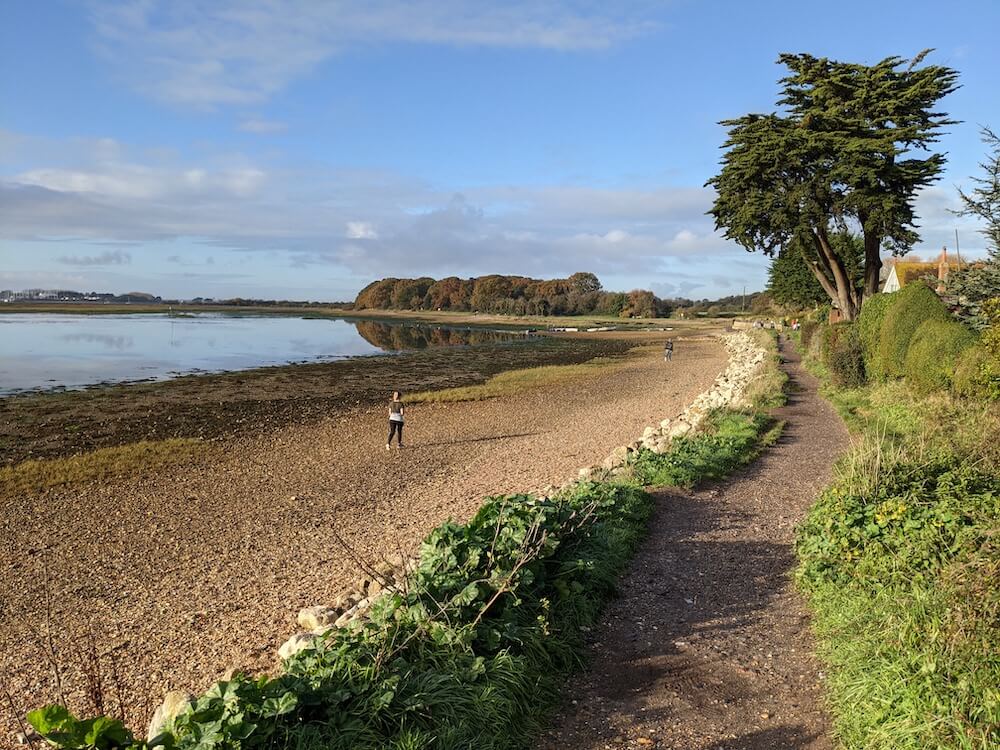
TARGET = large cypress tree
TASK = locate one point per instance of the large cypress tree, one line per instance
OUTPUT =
(841, 155)
(792, 282)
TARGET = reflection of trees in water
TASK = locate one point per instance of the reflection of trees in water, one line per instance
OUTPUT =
(109, 341)
(397, 337)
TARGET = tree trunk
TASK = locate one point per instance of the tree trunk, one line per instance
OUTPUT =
(844, 294)
(873, 261)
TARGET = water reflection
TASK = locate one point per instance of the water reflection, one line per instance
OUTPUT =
(397, 337)
(109, 341)
(74, 351)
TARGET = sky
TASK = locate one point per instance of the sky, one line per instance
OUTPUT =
(300, 149)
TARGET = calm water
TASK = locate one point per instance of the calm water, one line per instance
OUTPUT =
(73, 351)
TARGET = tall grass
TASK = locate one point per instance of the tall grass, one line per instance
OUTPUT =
(899, 559)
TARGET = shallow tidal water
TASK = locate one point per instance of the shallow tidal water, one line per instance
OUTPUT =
(41, 351)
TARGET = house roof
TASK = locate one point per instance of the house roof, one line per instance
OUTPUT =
(908, 271)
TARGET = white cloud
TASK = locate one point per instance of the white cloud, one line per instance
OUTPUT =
(360, 230)
(233, 52)
(310, 218)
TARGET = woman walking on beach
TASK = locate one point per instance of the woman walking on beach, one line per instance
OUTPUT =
(395, 420)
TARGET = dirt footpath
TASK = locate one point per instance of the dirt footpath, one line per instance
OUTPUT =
(709, 646)
(196, 569)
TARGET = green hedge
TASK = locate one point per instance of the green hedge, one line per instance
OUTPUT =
(870, 322)
(934, 352)
(915, 304)
(807, 331)
(841, 352)
(969, 380)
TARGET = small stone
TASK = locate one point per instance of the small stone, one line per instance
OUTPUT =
(313, 618)
(374, 589)
(679, 429)
(765, 716)
(645, 742)
(173, 704)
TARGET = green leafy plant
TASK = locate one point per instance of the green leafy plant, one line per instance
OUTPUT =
(870, 322)
(916, 304)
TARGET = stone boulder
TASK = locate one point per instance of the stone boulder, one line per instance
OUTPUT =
(315, 618)
(174, 703)
(298, 642)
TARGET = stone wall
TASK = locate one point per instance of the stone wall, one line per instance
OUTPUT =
(746, 360)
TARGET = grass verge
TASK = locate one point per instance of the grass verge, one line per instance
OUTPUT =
(899, 558)
(473, 651)
(105, 464)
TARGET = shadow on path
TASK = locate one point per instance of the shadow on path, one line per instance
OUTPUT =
(708, 645)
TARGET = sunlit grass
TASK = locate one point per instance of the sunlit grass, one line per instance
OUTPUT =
(30, 477)
(515, 381)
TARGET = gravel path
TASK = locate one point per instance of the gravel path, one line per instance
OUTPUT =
(200, 568)
(708, 646)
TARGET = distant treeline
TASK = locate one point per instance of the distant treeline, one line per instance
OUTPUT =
(580, 294)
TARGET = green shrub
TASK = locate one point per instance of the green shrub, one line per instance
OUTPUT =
(933, 354)
(870, 322)
(806, 331)
(916, 304)
(841, 353)
(967, 381)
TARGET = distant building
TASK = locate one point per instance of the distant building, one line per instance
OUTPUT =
(905, 272)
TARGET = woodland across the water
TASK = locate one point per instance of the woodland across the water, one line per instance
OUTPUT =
(580, 294)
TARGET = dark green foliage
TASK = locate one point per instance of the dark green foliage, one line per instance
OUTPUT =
(842, 354)
(870, 322)
(969, 289)
(843, 152)
(62, 728)
(970, 379)
(792, 283)
(916, 521)
(916, 303)
(984, 201)
(807, 330)
(732, 442)
(933, 353)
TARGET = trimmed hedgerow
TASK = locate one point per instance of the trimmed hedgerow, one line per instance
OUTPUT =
(969, 380)
(933, 353)
(842, 354)
(807, 330)
(916, 304)
(870, 321)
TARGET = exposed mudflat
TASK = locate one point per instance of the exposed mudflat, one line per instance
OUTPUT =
(184, 573)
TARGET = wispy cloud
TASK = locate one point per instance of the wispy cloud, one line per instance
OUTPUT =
(218, 52)
(263, 127)
(116, 258)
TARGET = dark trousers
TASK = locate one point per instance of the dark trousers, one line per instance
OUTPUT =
(395, 428)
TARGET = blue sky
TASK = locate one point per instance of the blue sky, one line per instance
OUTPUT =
(300, 149)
